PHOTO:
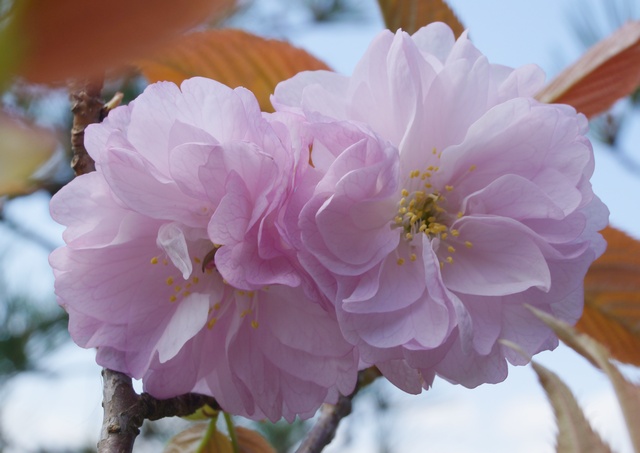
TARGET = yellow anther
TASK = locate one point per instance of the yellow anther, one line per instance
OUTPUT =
(173, 298)
(441, 265)
(428, 186)
(211, 323)
(451, 249)
(455, 233)
(403, 201)
(187, 286)
(468, 244)
(244, 313)
(430, 167)
(443, 236)
(449, 188)
(405, 193)
(436, 168)
(431, 219)
(154, 260)
(449, 260)
(208, 271)
(408, 236)
(413, 257)
(251, 293)
(434, 151)
(460, 214)
(197, 260)
(216, 306)
(240, 293)
(402, 211)
(195, 280)
(177, 288)
(169, 281)
(186, 293)
(400, 261)
(254, 324)
(473, 167)
(165, 262)
(414, 219)
(398, 220)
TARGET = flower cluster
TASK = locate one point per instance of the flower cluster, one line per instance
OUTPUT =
(402, 217)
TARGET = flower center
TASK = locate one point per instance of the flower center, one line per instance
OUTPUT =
(423, 209)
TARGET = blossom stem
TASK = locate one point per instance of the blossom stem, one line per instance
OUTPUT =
(232, 432)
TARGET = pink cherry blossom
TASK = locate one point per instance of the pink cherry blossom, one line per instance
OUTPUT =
(174, 268)
(441, 199)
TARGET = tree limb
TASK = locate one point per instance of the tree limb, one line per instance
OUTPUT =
(125, 411)
(87, 107)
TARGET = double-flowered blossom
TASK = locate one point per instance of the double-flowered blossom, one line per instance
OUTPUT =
(404, 217)
(174, 268)
(440, 199)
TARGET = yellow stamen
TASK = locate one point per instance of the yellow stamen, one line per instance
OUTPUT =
(468, 244)
(400, 261)
(169, 281)
(154, 260)
(254, 324)
(449, 260)
(211, 323)
(451, 249)
(413, 257)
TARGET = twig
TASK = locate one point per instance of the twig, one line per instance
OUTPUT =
(325, 428)
(87, 107)
(125, 411)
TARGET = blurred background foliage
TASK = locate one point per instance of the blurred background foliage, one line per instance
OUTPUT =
(32, 326)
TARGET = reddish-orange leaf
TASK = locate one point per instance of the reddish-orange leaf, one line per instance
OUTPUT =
(75, 38)
(608, 71)
(410, 15)
(232, 57)
(250, 441)
(612, 298)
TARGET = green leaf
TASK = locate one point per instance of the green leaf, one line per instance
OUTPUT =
(232, 57)
(411, 15)
(575, 434)
(23, 149)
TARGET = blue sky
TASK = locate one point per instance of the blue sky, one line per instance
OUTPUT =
(510, 417)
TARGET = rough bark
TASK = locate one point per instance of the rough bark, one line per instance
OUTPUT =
(88, 108)
(125, 411)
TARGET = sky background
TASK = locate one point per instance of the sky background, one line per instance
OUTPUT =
(63, 408)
